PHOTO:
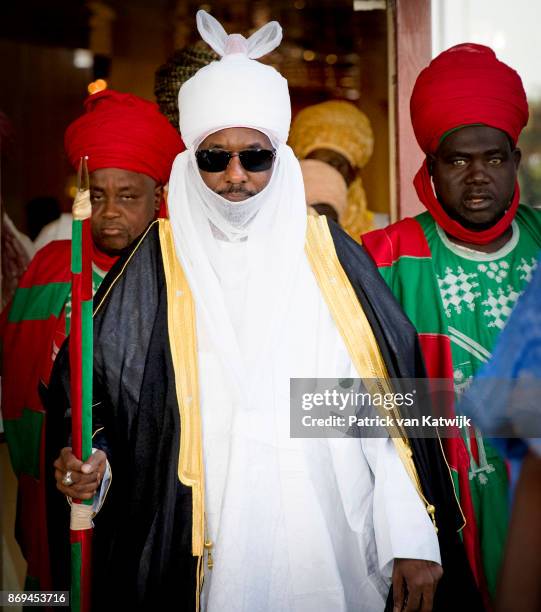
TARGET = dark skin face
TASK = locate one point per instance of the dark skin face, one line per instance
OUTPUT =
(337, 161)
(123, 204)
(474, 173)
(235, 183)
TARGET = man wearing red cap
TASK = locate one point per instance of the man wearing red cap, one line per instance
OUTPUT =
(459, 268)
(130, 148)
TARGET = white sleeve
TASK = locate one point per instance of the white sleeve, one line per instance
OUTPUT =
(99, 498)
(402, 526)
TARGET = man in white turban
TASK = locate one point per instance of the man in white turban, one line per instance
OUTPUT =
(197, 333)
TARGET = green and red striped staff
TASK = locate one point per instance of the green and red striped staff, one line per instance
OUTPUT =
(81, 365)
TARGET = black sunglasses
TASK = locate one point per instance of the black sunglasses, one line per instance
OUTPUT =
(252, 160)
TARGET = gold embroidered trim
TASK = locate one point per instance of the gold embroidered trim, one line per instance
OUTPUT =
(183, 344)
(357, 334)
(464, 520)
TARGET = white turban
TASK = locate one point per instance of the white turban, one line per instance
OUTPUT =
(236, 91)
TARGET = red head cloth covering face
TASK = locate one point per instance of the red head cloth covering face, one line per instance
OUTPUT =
(465, 85)
(123, 131)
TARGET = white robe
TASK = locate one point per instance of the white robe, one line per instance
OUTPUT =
(298, 524)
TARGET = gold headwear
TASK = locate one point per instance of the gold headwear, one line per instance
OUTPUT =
(336, 125)
(341, 127)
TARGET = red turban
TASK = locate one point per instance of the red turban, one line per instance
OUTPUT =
(465, 85)
(123, 131)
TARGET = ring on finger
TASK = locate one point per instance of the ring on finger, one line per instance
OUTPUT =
(67, 481)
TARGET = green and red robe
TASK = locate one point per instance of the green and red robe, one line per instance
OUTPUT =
(459, 299)
(35, 325)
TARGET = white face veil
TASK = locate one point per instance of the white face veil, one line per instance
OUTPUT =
(238, 91)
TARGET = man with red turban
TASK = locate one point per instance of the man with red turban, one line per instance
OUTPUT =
(130, 147)
(459, 268)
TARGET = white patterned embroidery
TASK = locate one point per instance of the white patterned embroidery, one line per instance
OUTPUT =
(526, 269)
(497, 271)
(457, 289)
(460, 380)
(459, 376)
(500, 306)
(68, 307)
